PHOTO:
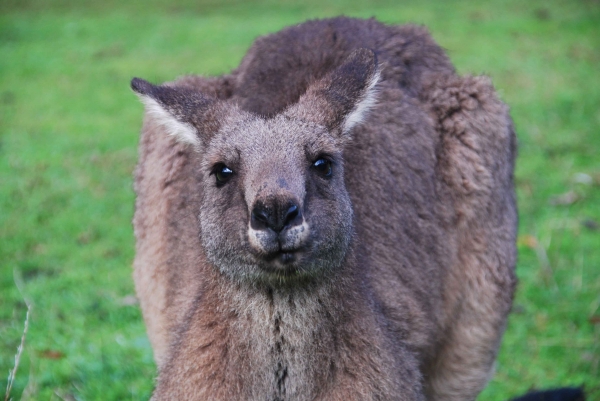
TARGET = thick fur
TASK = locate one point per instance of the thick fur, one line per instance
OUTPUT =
(402, 272)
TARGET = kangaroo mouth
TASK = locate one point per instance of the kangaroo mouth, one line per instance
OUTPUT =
(283, 262)
(283, 257)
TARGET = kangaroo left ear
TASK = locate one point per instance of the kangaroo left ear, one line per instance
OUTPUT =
(342, 99)
(190, 116)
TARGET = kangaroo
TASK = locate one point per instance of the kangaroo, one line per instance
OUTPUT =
(333, 220)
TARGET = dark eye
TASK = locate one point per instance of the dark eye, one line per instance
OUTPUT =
(323, 167)
(223, 174)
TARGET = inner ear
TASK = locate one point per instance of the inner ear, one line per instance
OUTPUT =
(342, 98)
(188, 115)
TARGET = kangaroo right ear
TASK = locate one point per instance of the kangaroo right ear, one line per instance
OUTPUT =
(343, 98)
(186, 114)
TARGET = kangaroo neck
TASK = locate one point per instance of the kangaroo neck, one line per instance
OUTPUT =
(317, 342)
(290, 335)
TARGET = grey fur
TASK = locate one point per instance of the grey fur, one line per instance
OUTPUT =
(391, 279)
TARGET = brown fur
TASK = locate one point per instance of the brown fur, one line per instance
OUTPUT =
(403, 270)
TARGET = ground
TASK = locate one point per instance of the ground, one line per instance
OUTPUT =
(68, 133)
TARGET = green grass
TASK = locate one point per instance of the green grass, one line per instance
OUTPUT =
(68, 132)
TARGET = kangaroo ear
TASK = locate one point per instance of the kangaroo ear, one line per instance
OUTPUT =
(341, 99)
(186, 114)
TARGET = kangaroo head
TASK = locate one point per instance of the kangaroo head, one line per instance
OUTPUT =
(274, 204)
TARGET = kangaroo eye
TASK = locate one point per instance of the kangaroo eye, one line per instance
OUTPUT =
(323, 167)
(223, 174)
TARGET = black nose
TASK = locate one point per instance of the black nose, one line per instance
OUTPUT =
(274, 215)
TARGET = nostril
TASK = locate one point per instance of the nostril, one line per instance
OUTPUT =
(290, 215)
(260, 217)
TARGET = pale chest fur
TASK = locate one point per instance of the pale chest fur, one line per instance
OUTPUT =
(288, 339)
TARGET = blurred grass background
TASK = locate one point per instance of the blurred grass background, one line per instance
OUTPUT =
(68, 134)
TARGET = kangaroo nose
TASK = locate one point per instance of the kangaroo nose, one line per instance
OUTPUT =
(274, 215)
